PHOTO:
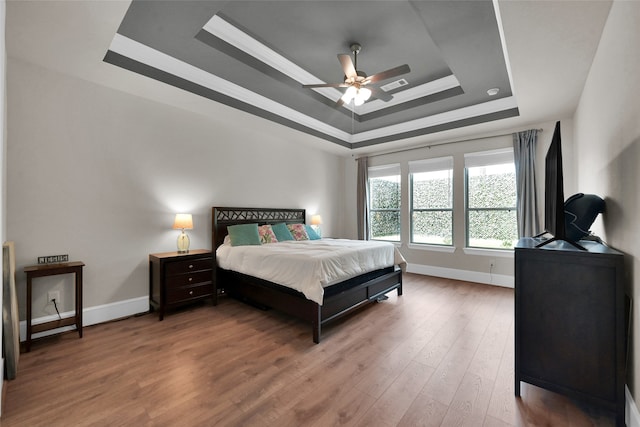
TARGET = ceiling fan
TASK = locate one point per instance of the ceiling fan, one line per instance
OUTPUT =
(357, 82)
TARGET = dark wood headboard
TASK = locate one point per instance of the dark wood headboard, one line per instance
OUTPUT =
(222, 217)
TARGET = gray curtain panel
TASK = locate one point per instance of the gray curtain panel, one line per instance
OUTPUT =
(524, 154)
(363, 198)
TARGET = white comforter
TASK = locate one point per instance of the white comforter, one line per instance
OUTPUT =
(310, 265)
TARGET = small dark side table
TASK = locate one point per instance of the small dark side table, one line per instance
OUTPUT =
(42, 270)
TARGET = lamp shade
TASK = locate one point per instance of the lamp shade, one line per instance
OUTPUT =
(183, 221)
(316, 220)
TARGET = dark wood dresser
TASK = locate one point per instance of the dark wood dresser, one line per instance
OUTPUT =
(570, 332)
(176, 279)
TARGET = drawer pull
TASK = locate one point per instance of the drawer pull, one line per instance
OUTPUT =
(190, 279)
(190, 292)
(190, 265)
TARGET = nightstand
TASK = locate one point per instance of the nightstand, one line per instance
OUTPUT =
(176, 279)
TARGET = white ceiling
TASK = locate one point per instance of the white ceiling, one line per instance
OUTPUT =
(550, 46)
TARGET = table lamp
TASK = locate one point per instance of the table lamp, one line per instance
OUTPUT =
(316, 221)
(183, 222)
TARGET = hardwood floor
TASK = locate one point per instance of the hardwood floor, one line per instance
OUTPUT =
(440, 355)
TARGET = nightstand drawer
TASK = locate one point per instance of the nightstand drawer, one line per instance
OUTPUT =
(185, 293)
(186, 266)
(189, 279)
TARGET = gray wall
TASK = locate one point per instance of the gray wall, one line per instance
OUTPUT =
(99, 174)
(607, 135)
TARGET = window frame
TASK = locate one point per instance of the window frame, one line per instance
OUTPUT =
(480, 159)
(382, 171)
(431, 165)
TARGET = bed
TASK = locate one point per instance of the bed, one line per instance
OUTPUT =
(338, 300)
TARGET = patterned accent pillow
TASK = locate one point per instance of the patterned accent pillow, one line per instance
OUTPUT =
(298, 231)
(266, 234)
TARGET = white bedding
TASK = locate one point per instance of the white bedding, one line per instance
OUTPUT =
(309, 266)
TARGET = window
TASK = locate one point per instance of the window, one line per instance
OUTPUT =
(432, 201)
(384, 202)
(491, 199)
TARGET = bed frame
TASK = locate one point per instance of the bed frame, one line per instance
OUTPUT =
(339, 299)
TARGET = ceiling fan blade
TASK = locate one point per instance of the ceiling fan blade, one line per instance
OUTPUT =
(326, 85)
(380, 94)
(347, 65)
(339, 102)
(384, 75)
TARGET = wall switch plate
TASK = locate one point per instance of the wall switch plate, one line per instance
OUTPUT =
(52, 259)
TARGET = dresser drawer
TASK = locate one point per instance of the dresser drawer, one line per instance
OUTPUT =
(188, 279)
(186, 266)
(185, 293)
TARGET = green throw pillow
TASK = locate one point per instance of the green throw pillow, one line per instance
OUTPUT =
(244, 234)
(312, 233)
(282, 232)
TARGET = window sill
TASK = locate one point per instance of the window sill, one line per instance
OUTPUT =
(434, 248)
(505, 253)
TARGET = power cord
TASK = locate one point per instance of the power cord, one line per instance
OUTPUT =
(56, 306)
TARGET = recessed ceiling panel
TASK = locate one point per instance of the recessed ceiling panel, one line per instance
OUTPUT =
(256, 56)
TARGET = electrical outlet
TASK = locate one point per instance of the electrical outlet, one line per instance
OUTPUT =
(54, 295)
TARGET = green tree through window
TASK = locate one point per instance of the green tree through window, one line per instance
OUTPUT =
(384, 202)
(491, 201)
(432, 201)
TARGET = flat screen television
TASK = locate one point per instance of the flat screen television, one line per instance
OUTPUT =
(554, 223)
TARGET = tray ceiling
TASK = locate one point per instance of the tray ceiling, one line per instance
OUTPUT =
(256, 55)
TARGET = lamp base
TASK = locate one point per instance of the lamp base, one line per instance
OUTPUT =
(183, 243)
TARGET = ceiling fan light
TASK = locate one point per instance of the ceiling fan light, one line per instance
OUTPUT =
(357, 101)
(349, 94)
(364, 93)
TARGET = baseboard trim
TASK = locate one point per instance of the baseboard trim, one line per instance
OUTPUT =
(466, 275)
(632, 416)
(91, 315)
